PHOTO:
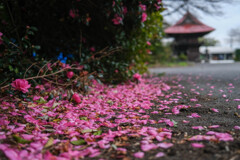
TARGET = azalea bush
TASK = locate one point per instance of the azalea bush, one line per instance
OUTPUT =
(76, 30)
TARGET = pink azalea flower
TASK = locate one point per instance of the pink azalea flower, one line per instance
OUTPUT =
(21, 85)
(197, 145)
(73, 13)
(149, 51)
(92, 49)
(125, 10)
(76, 98)
(1, 41)
(117, 19)
(139, 154)
(144, 17)
(149, 43)
(70, 74)
(143, 7)
(137, 76)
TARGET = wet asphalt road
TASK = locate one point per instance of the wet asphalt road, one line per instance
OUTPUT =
(226, 72)
(224, 78)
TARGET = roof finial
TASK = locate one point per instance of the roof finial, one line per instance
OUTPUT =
(187, 8)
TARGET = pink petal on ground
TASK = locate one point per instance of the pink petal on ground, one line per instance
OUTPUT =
(19, 129)
(194, 115)
(95, 154)
(175, 110)
(236, 99)
(159, 154)
(197, 145)
(103, 144)
(159, 138)
(214, 110)
(238, 107)
(147, 147)
(27, 136)
(237, 127)
(154, 112)
(224, 96)
(152, 132)
(214, 126)
(139, 154)
(193, 100)
(198, 127)
(165, 145)
(11, 154)
(2, 136)
(169, 122)
(184, 121)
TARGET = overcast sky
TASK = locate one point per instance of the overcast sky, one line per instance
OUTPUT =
(222, 24)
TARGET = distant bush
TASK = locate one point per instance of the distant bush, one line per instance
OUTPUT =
(237, 55)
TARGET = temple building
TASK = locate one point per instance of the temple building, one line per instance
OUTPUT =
(186, 33)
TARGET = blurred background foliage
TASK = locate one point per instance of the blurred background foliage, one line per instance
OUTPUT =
(80, 31)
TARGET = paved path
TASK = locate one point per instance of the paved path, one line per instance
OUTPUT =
(217, 71)
(221, 76)
(211, 86)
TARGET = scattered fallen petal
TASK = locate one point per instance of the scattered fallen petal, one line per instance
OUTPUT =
(139, 154)
(165, 145)
(198, 127)
(197, 145)
(237, 127)
(214, 110)
(160, 154)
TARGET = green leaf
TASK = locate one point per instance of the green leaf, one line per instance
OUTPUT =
(83, 118)
(30, 32)
(37, 47)
(21, 140)
(114, 146)
(16, 70)
(41, 101)
(10, 68)
(97, 133)
(34, 28)
(78, 142)
(87, 130)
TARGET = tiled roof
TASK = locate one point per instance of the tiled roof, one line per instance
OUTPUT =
(187, 25)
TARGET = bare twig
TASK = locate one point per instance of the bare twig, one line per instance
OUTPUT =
(28, 69)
